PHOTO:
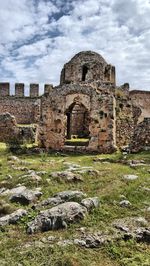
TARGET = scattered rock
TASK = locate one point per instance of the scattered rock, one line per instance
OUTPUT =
(141, 221)
(125, 203)
(41, 173)
(26, 196)
(12, 218)
(33, 176)
(2, 190)
(57, 217)
(148, 209)
(8, 177)
(123, 197)
(146, 189)
(132, 227)
(94, 240)
(70, 195)
(130, 177)
(138, 162)
(19, 168)
(59, 198)
(64, 243)
(90, 203)
(14, 159)
(51, 238)
(101, 160)
(91, 172)
(39, 244)
(71, 166)
(67, 176)
(15, 190)
(53, 201)
(143, 235)
(80, 242)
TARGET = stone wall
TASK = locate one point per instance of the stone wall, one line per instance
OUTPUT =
(25, 109)
(125, 121)
(87, 103)
(8, 127)
(141, 137)
(10, 132)
(99, 104)
(141, 99)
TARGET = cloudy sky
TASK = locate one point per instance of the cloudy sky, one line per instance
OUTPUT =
(38, 36)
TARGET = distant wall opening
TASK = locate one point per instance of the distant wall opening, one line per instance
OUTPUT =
(84, 73)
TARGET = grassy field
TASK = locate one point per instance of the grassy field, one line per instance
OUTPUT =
(18, 248)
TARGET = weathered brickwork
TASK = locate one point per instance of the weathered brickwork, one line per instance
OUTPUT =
(142, 100)
(125, 120)
(26, 110)
(55, 107)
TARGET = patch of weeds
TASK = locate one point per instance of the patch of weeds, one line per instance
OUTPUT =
(28, 218)
(43, 156)
(128, 253)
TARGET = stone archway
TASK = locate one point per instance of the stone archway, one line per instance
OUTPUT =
(77, 125)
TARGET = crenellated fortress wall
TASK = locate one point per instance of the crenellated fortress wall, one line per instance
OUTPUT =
(26, 109)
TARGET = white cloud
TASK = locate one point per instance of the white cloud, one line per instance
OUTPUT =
(38, 37)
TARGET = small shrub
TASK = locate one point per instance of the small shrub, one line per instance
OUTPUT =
(13, 145)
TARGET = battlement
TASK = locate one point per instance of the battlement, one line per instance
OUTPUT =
(34, 90)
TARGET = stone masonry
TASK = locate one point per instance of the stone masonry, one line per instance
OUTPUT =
(11, 133)
(86, 105)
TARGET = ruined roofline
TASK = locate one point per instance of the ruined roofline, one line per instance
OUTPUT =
(87, 66)
(139, 92)
(88, 53)
(20, 90)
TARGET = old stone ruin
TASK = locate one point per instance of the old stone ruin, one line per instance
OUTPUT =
(87, 112)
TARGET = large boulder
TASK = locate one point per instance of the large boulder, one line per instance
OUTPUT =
(67, 176)
(57, 217)
(12, 191)
(90, 203)
(130, 177)
(53, 201)
(70, 195)
(12, 218)
(25, 196)
(61, 197)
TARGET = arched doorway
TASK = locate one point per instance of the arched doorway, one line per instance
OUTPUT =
(77, 126)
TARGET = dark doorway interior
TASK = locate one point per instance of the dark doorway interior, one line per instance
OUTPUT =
(77, 127)
(84, 73)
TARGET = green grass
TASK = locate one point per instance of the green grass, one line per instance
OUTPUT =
(17, 248)
(26, 125)
(77, 142)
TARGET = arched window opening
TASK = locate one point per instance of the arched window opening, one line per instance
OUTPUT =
(84, 73)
